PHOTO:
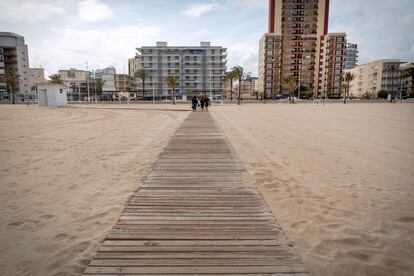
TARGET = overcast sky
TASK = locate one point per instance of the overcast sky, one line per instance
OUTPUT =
(65, 34)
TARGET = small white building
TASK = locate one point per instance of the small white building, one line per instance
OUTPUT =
(52, 94)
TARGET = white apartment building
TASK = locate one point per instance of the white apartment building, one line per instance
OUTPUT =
(198, 69)
(375, 76)
(108, 76)
(14, 54)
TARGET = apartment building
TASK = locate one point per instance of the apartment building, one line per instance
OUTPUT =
(199, 70)
(108, 76)
(37, 76)
(247, 91)
(296, 45)
(333, 65)
(133, 65)
(80, 83)
(375, 76)
(122, 82)
(351, 55)
(14, 54)
(269, 80)
(73, 75)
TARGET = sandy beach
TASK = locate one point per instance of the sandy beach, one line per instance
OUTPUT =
(66, 174)
(338, 178)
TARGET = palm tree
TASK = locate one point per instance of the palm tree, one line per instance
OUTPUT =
(142, 75)
(99, 83)
(348, 78)
(229, 76)
(55, 78)
(409, 72)
(290, 81)
(239, 75)
(12, 81)
(392, 69)
(172, 81)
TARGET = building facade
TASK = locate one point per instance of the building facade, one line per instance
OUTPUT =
(351, 56)
(295, 45)
(133, 65)
(14, 55)
(78, 83)
(108, 76)
(199, 70)
(247, 91)
(269, 80)
(37, 76)
(122, 82)
(333, 65)
(73, 75)
(375, 76)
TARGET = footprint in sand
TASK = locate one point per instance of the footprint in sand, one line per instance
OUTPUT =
(16, 223)
(61, 237)
(47, 217)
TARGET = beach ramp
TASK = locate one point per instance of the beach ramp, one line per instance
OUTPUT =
(194, 215)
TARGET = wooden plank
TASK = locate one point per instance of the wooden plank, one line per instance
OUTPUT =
(194, 214)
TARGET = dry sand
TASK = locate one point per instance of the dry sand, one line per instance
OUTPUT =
(339, 178)
(65, 175)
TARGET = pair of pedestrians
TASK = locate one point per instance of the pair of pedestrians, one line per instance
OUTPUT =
(203, 103)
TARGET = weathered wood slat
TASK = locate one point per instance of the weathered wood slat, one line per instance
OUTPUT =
(194, 215)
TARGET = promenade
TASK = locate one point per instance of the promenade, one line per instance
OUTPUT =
(194, 215)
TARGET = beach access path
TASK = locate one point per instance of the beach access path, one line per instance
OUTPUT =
(194, 215)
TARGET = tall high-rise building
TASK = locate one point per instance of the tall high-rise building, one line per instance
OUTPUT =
(351, 55)
(296, 44)
(14, 55)
(198, 69)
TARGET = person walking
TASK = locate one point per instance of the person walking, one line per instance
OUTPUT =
(206, 102)
(194, 102)
(202, 103)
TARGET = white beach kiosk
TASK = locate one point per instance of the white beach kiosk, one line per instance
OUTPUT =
(52, 94)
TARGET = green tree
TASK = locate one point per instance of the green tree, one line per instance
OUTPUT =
(99, 83)
(409, 72)
(290, 82)
(348, 78)
(229, 76)
(172, 81)
(239, 75)
(142, 74)
(392, 69)
(382, 94)
(12, 81)
(55, 78)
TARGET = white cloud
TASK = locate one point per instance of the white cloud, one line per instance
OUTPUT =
(28, 11)
(93, 10)
(72, 47)
(249, 4)
(381, 29)
(198, 9)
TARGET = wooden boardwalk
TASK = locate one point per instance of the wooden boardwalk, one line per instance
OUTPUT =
(195, 216)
